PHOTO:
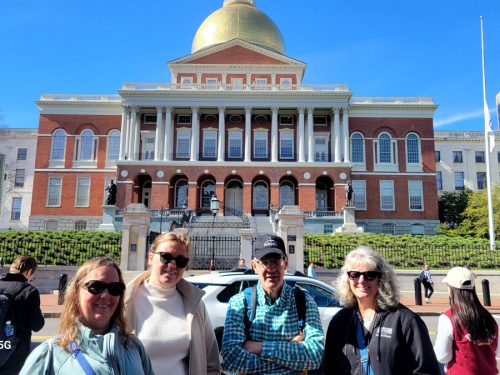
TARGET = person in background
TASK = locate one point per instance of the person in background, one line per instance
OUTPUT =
(374, 333)
(425, 277)
(274, 341)
(311, 270)
(93, 334)
(25, 309)
(167, 312)
(467, 334)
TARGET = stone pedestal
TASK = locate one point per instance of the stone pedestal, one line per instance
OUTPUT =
(108, 219)
(349, 226)
(136, 219)
(291, 229)
(246, 251)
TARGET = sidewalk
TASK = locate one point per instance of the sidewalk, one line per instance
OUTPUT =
(439, 303)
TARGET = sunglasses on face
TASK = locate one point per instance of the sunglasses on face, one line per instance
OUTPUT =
(368, 275)
(97, 287)
(180, 260)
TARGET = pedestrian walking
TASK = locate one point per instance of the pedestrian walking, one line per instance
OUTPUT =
(467, 334)
(374, 333)
(426, 279)
(311, 270)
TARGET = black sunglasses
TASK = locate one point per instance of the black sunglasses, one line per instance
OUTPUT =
(368, 275)
(96, 287)
(180, 260)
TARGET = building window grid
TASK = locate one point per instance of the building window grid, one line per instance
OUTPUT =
(16, 208)
(286, 145)
(86, 150)
(479, 156)
(320, 149)
(113, 149)
(457, 157)
(22, 153)
(357, 148)
(437, 156)
(82, 192)
(359, 188)
(481, 180)
(58, 145)
(260, 145)
(260, 196)
(235, 148)
(439, 180)
(412, 149)
(19, 178)
(209, 144)
(416, 195)
(150, 119)
(183, 144)
(54, 192)
(387, 195)
(80, 225)
(459, 180)
(385, 152)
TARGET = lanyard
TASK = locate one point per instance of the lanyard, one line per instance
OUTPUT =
(362, 348)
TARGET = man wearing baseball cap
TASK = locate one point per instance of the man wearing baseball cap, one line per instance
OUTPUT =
(272, 339)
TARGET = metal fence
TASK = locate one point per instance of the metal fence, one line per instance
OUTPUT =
(222, 252)
(410, 257)
(59, 253)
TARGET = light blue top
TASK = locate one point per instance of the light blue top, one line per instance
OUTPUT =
(106, 353)
(311, 272)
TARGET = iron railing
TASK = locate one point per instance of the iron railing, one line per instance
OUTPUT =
(222, 252)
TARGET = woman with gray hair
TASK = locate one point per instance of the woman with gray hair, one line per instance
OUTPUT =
(374, 333)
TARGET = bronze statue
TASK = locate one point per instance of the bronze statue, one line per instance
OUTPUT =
(349, 194)
(111, 189)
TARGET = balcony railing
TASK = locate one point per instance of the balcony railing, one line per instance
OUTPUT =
(133, 86)
(80, 98)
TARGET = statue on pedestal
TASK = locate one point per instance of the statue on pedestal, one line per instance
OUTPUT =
(111, 189)
(349, 194)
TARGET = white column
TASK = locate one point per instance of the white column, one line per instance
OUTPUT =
(274, 134)
(132, 133)
(167, 142)
(137, 140)
(301, 136)
(123, 134)
(345, 134)
(248, 133)
(310, 134)
(195, 134)
(159, 131)
(222, 134)
(336, 134)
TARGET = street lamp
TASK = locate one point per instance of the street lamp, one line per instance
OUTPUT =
(214, 208)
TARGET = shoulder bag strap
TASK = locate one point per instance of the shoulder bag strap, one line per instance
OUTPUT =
(80, 357)
(362, 348)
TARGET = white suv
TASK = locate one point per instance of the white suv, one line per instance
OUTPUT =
(220, 287)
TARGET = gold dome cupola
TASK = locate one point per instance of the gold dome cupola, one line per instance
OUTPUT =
(239, 19)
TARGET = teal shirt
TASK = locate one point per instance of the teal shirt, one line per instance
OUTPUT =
(106, 353)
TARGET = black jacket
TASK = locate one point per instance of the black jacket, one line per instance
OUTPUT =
(399, 344)
(28, 317)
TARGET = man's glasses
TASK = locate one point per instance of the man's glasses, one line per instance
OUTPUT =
(180, 260)
(368, 275)
(96, 287)
(268, 263)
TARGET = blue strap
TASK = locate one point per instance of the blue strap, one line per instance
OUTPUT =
(362, 348)
(80, 357)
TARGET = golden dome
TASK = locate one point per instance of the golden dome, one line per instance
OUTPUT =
(239, 19)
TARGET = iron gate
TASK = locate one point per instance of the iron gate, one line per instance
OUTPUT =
(214, 252)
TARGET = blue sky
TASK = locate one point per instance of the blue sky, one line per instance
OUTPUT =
(383, 48)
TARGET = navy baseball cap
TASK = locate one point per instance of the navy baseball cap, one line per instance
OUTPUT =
(269, 244)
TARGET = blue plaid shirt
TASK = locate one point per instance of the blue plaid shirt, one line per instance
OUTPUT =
(274, 325)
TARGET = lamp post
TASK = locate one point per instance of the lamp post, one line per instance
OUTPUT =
(214, 208)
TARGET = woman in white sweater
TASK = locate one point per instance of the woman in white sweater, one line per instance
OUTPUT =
(168, 315)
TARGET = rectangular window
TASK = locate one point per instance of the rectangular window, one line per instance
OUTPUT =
(359, 188)
(150, 119)
(184, 120)
(286, 145)
(320, 149)
(286, 120)
(209, 144)
(82, 192)
(19, 179)
(237, 83)
(387, 195)
(80, 225)
(183, 144)
(439, 180)
(320, 120)
(459, 180)
(211, 81)
(22, 153)
(416, 195)
(148, 148)
(457, 157)
(481, 180)
(479, 156)
(54, 192)
(234, 144)
(51, 225)
(498, 157)
(260, 145)
(260, 83)
(16, 209)
(437, 156)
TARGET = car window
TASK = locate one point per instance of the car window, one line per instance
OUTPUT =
(322, 297)
(233, 289)
(201, 285)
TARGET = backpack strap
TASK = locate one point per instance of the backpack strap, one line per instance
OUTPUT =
(300, 303)
(80, 357)
(11, 293)
(250, 308)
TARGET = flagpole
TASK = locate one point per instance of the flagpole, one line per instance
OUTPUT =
(487, 134)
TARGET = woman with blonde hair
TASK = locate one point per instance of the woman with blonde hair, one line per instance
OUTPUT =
(374, 333)
(167, 313)
(93, 334)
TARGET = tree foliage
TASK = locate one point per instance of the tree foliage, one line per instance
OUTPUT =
(451, 207)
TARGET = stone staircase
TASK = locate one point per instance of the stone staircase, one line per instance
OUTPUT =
(261, 225)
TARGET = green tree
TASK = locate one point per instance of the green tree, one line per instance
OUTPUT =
(451, 207)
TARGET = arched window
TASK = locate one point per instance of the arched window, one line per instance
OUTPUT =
(58, 145)
(412, 149)
(207, 190)
(357, 148)
(260, 196)
(113, 148)
(86, 151)
(385, 152)
(287, 193)
(181, 194)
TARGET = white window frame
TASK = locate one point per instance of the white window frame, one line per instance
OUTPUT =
(260, 135)
(209, 134)
(184, 117)
(358, 165)
(323, 122)
(391, 165)
(287, 135)
(260, 83)
(359, 188)
(59, 136)
(211, 83)
(183, 134)
(455, 180)
(413, 166)
(80, 225)
(54, 188)
(439, 180)
(148, 140)
(16, 210)
(113, 146)
(285, 83)
(81, 160)
(235, 135)
(150, 118)
(82, 192)
(20, 178)
(387, 195)
(186, 83)
(415, 195)
(323, 155)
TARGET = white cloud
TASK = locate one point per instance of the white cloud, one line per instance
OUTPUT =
(477, 114)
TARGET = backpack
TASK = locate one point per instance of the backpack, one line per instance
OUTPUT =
(422, 276)
(251, 307)
(8, 345)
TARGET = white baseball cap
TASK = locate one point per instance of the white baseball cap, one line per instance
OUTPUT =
(460, 278)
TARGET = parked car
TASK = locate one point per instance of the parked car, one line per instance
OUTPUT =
(220, 287)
